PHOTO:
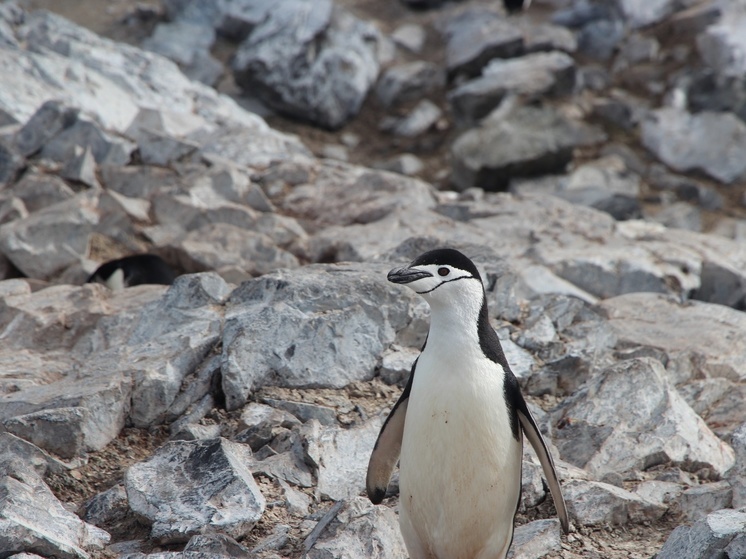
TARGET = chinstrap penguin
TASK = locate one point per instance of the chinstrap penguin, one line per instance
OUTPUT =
(133, 270)
(457, 427)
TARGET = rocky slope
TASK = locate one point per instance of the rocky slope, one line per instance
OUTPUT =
(586, 156)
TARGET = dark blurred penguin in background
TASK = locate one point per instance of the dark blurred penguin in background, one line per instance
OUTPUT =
(133, 270)
(513, 6)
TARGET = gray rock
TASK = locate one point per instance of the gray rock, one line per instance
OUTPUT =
(547, 37)
(31, 518)
(46, 242)
(340, 457)
(697, 502)
(680, 215)
(158, 149)
(260, 424)
(718, 352)
(347, 195)
(359, 530)
(410, 36)
(310, 61)
(108, 508)
(186, 487)
(737, 476)
(596, 184)
(305, 411)
(720, 44)
(663, 493)
(541, 142)
(170, 339)
(600, 38)
(535, 539)
(396, 364)
(652, 424)
(705, 538)
(476, 36)
(81, 168)
(51, 118)
(531, 76)
(291, 312)
(39, 190)
(224, 248)
(408, 82)
(207, 546)
(404, 164)
(86, 134)
(188, 44)
(592, 503)
(640, 13)
(71, 416)
(196, 432)
(11, 209)
(669, 133)
(419, 120)
(11, 163)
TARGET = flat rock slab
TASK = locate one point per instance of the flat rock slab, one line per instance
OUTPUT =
(187, 486)
(708, 141)
(630, 417)
(659, 322)
(31, 518)
(541, 142)
(317, 326)
(535, 539)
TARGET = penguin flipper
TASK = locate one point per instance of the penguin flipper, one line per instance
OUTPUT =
(386, 451)
(531, 430)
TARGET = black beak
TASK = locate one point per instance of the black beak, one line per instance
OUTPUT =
(406, 275)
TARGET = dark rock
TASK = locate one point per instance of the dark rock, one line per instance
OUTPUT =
(408, 82)
(707, 537)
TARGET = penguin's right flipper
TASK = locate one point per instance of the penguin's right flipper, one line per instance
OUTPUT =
(388, 447)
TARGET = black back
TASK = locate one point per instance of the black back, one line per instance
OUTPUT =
(137, 269)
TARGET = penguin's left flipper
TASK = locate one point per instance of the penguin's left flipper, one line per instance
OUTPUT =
(388, 447)
(533, 435)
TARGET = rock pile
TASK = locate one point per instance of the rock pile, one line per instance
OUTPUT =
(270, 362)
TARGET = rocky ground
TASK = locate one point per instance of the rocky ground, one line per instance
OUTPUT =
(588, 156)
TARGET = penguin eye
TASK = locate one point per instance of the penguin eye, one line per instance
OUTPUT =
(443, 271)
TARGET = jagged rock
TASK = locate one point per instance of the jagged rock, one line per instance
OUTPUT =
(709, 537)
(11, 163)
(697, 502)
(651, 422)
(107, 508)
(535, 539)
(86, 134)
(541, 142)
(718, 353)
(547, 37)
(680, 215)
(49, 119)
(340, 457)
(359, 530)
(188, 486)
(301, 46)
(531, 76)
(663, 493)
(261, 423)
(231, 251)
(404, 164)
(292, 312)
(408, 82)
(31, 518)
(72, 73)
(170, 339)
(476, 36)
(592, 503)
(347, 195)
(709, 142)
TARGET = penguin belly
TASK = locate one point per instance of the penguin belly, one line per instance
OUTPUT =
(460, 466)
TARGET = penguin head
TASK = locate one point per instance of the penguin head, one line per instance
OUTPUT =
(441, 276)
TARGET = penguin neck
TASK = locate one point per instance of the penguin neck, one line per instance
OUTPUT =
(454, 324)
